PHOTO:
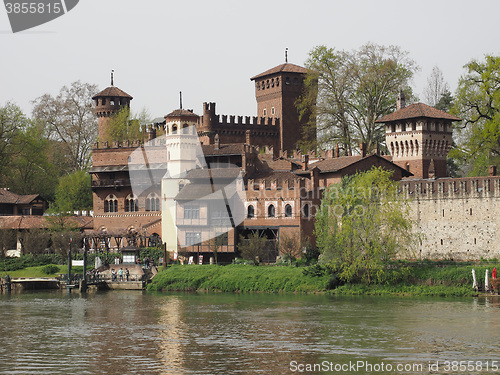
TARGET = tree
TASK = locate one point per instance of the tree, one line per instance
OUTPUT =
(290, 245)
(362, 223)
(345, 92)
(253, 247)
(69, 118)
(12, 119)
(74, 192)
(122, 127)
(478, 104)
(436, 87)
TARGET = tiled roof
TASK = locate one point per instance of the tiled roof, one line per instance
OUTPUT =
(113, 92)
(214, 173)
(415, 111)
(226, 149)
(201, 191)
(273, 175)
(8, 197)
(28, 222)
(286, 68)
(182, 113)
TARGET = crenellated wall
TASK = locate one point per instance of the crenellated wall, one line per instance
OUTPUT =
(459, 218)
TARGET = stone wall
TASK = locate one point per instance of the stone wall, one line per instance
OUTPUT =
(458, 218)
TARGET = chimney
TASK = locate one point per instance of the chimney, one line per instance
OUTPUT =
(306, 162)
(315, 178)
(401, 101)
(151, 132)
(337, 151)
(216, 141)
(362, 149)
(492, 170)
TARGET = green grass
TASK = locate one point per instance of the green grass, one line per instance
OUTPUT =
(403, 279)
(238, 278)
(37, 271)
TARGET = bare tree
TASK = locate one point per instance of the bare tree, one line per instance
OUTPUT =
(69, 118)
(436, 87)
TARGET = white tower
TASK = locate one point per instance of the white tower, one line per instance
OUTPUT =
(183, 154)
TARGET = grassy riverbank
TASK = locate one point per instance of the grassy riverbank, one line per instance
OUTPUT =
(415, 279)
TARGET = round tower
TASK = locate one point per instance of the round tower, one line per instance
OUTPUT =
(108, 102)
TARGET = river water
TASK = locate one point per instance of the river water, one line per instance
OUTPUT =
(134, 332)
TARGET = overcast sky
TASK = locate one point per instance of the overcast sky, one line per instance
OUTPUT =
(210, 49)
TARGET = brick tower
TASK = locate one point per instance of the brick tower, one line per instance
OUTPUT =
(276, 91)
(108, 102)
(419, 138)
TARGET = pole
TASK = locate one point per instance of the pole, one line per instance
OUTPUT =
(83, 287)
(69, 261)
(164, 255)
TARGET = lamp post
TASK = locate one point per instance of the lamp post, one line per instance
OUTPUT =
(69, 261)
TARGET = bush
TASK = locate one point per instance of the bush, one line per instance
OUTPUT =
(50, 269)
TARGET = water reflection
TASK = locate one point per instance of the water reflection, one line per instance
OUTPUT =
(137, 333)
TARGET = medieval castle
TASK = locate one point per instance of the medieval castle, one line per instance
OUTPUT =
(279, 187)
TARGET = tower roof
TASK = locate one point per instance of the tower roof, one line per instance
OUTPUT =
(283, 68)
(112, 91)
(415, 111)
(182, 113)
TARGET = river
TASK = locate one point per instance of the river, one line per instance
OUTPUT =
(134, 332)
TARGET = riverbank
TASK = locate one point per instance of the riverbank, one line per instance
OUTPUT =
(403, 279)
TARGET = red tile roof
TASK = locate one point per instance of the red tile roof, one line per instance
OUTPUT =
(28, 222)
(415, 111)
(286, 68)
(224, 149)
(113, 92)
(7, 196)
(182, 113)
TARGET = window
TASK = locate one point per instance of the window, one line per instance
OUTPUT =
(191, 211)
(111, 203)
(288, 210)
(131, 203)
(306, 210)
(272, 82)
(153, 202)
(265, 112)
(287, 80)
(250, 212)
(174, 129)
(222, 239)
(103, 101)
(273, 112)
(271, 211)
(218, 214)
(112, 102)
(193, 238)
(296, 81)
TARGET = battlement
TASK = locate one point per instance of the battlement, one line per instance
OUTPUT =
(471, 187)
(246, 121)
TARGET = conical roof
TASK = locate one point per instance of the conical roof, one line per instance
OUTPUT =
(112, 91)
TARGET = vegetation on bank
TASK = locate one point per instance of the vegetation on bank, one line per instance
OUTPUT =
(424, 278)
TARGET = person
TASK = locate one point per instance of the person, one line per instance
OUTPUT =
(113, 275)
(127, 273)
(494, 273)
(120, 274)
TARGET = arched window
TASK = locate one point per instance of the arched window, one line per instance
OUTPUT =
(111, 203)
(271, 211)
(250, 212)
(152, 202)
(288, 210)
(174, 129)
(306, 210)
(185, 129)
(131, 203)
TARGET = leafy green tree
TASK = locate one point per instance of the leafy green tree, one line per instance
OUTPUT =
(69, 118)
(346, 91)
(363, 223)
(477, 102)
(122, 127)
(74, 192)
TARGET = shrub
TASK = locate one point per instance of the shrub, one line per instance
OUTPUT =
(50, 269)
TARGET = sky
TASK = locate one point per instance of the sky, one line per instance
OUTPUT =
(209, 50)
